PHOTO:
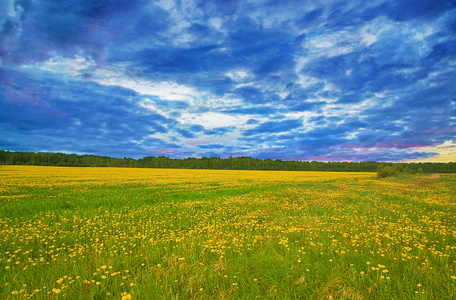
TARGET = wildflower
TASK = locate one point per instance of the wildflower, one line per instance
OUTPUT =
(126, 297)
(57, 291)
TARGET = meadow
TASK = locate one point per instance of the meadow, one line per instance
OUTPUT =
(113, 233)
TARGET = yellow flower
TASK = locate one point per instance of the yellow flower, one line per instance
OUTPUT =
(126, 297)
(57, 291)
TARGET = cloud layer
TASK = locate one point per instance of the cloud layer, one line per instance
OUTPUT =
(300, 80)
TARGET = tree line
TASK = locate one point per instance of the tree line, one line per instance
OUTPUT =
(231, 163)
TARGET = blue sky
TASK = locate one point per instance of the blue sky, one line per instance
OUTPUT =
(291, 80)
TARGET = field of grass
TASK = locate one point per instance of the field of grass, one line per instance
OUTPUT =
(108, 233)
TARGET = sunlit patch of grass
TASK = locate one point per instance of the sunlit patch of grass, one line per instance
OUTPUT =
(107, 233)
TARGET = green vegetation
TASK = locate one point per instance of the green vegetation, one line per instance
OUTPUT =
(215, 163)
(110, 233)
(392, 171)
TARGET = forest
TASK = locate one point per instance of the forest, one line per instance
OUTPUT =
(231, 163)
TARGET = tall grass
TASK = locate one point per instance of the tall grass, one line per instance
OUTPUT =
(106, 233)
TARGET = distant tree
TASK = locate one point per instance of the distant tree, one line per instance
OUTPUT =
(387, 171)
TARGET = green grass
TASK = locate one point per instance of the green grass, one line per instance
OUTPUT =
(193, 234)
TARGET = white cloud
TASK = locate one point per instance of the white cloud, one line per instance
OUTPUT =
(368, 38)
(446, 152)
(215, 22)
(164, 90)
(333, 44)
(212, 119)
(65, 66)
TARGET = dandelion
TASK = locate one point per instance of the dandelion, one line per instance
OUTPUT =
(56, 291)
(126, 297)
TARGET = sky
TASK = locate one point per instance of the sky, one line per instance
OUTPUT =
(292, 80)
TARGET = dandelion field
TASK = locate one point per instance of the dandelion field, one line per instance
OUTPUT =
(112, 233)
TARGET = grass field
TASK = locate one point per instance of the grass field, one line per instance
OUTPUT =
(107, 233)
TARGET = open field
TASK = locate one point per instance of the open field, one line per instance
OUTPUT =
(110, 233)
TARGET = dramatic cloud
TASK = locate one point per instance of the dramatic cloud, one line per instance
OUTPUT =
(308, 80)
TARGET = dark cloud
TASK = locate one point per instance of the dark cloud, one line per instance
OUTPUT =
(273, 127)
(219, 130)
(211, 146)
(408, 9)
(255, 110)
(345, 80)
(253, 95)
